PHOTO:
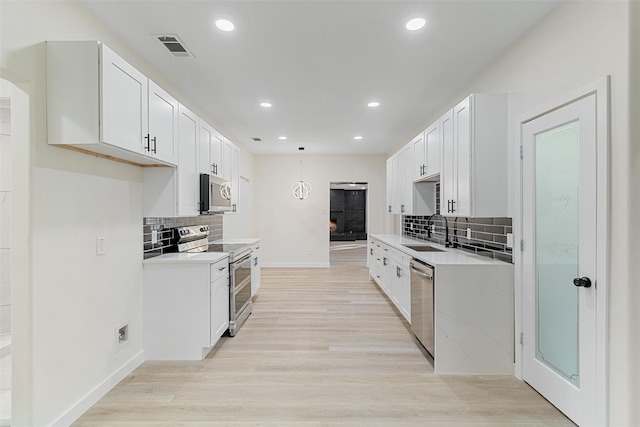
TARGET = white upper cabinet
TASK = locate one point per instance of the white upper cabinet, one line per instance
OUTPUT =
(474, 158)
(231, 173)
(419, 157)
(432, 142)
(390, 184)
(210, 153)
(426, 154)
(98, 102)
(188, 177)
(404, 197)
(161, 141)
(124, 96)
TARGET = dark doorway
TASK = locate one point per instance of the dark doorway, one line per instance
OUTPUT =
(348, 211)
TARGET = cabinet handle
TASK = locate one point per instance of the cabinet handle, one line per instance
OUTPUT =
(255, 262)
(222, 268)
(453, 208)
(233, 207)
(389, 208)
(401, 208)
(384, 261)
(148, 144)
(154, 144)
(371, 251)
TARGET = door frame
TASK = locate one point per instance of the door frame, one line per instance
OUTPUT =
(600, 89)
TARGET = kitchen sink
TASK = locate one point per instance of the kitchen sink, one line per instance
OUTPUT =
(423, 248)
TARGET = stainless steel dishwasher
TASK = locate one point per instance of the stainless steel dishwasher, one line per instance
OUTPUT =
(422, 303)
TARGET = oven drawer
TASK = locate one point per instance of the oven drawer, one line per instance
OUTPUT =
(220, 269)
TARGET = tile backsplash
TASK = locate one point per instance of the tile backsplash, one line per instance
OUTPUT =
(488, 235)
(166, 236)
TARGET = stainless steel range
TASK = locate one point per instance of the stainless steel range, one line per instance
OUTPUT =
(196, 239)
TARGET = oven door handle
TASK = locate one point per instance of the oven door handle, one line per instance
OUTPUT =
(236, 262)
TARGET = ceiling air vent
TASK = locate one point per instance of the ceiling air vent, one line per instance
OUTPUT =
(174, 45)
(256, 139)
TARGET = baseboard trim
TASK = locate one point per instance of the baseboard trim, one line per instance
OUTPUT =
(98, 392)
(296, 265)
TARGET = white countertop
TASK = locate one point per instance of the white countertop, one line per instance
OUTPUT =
(186, 257)
(242, 241)
(449, 256)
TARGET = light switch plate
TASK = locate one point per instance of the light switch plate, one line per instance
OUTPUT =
(468, 232)
(510, 240)
(154, 236)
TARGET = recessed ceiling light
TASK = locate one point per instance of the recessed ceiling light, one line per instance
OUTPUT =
(265, 104)
(282, 138)
(225, 25)
(415, 24)
(373, 104)
(357, 137)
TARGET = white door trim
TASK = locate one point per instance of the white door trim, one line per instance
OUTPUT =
(601, 89)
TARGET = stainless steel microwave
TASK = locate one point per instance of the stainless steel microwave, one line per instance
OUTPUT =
(215, 194)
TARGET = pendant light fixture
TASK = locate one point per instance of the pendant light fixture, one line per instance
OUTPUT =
(301, 189)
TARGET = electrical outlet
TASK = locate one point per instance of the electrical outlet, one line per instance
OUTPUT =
(433, 228)
(310, 251)
(468, 232)
(510, 240)
(100, 248)
(154, 237)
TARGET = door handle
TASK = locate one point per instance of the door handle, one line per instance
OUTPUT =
(585, 282)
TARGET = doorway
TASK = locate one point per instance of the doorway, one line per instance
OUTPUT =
(348, 222)
(561, 265)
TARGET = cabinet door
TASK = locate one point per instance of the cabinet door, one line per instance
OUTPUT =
(432, 152)
(447, 168)
(124, 114)
(390, 173)
(462, 143)
(395, 283)
(419, 157)
(405, 283)
(188, 178)
(226, 160)
(204, 148)
(406, 180)
(219, 308)
(162, 139)
(216, 154)
(235, 179)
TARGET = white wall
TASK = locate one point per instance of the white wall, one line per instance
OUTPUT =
(67, 301)
(580, 43)
(290, 228)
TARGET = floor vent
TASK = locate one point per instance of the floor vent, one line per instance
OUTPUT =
(174, 45)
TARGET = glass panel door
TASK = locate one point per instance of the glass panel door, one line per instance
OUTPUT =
(556, 253)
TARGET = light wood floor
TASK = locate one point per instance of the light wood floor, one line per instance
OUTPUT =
(323, 348)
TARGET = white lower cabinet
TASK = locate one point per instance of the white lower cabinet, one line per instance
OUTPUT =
(185, 309)
(390, 270)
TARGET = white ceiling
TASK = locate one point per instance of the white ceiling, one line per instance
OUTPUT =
(320, 62)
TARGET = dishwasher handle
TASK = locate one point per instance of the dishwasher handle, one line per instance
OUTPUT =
(422, 270)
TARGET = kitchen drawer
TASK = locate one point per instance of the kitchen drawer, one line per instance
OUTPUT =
(220, 269)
